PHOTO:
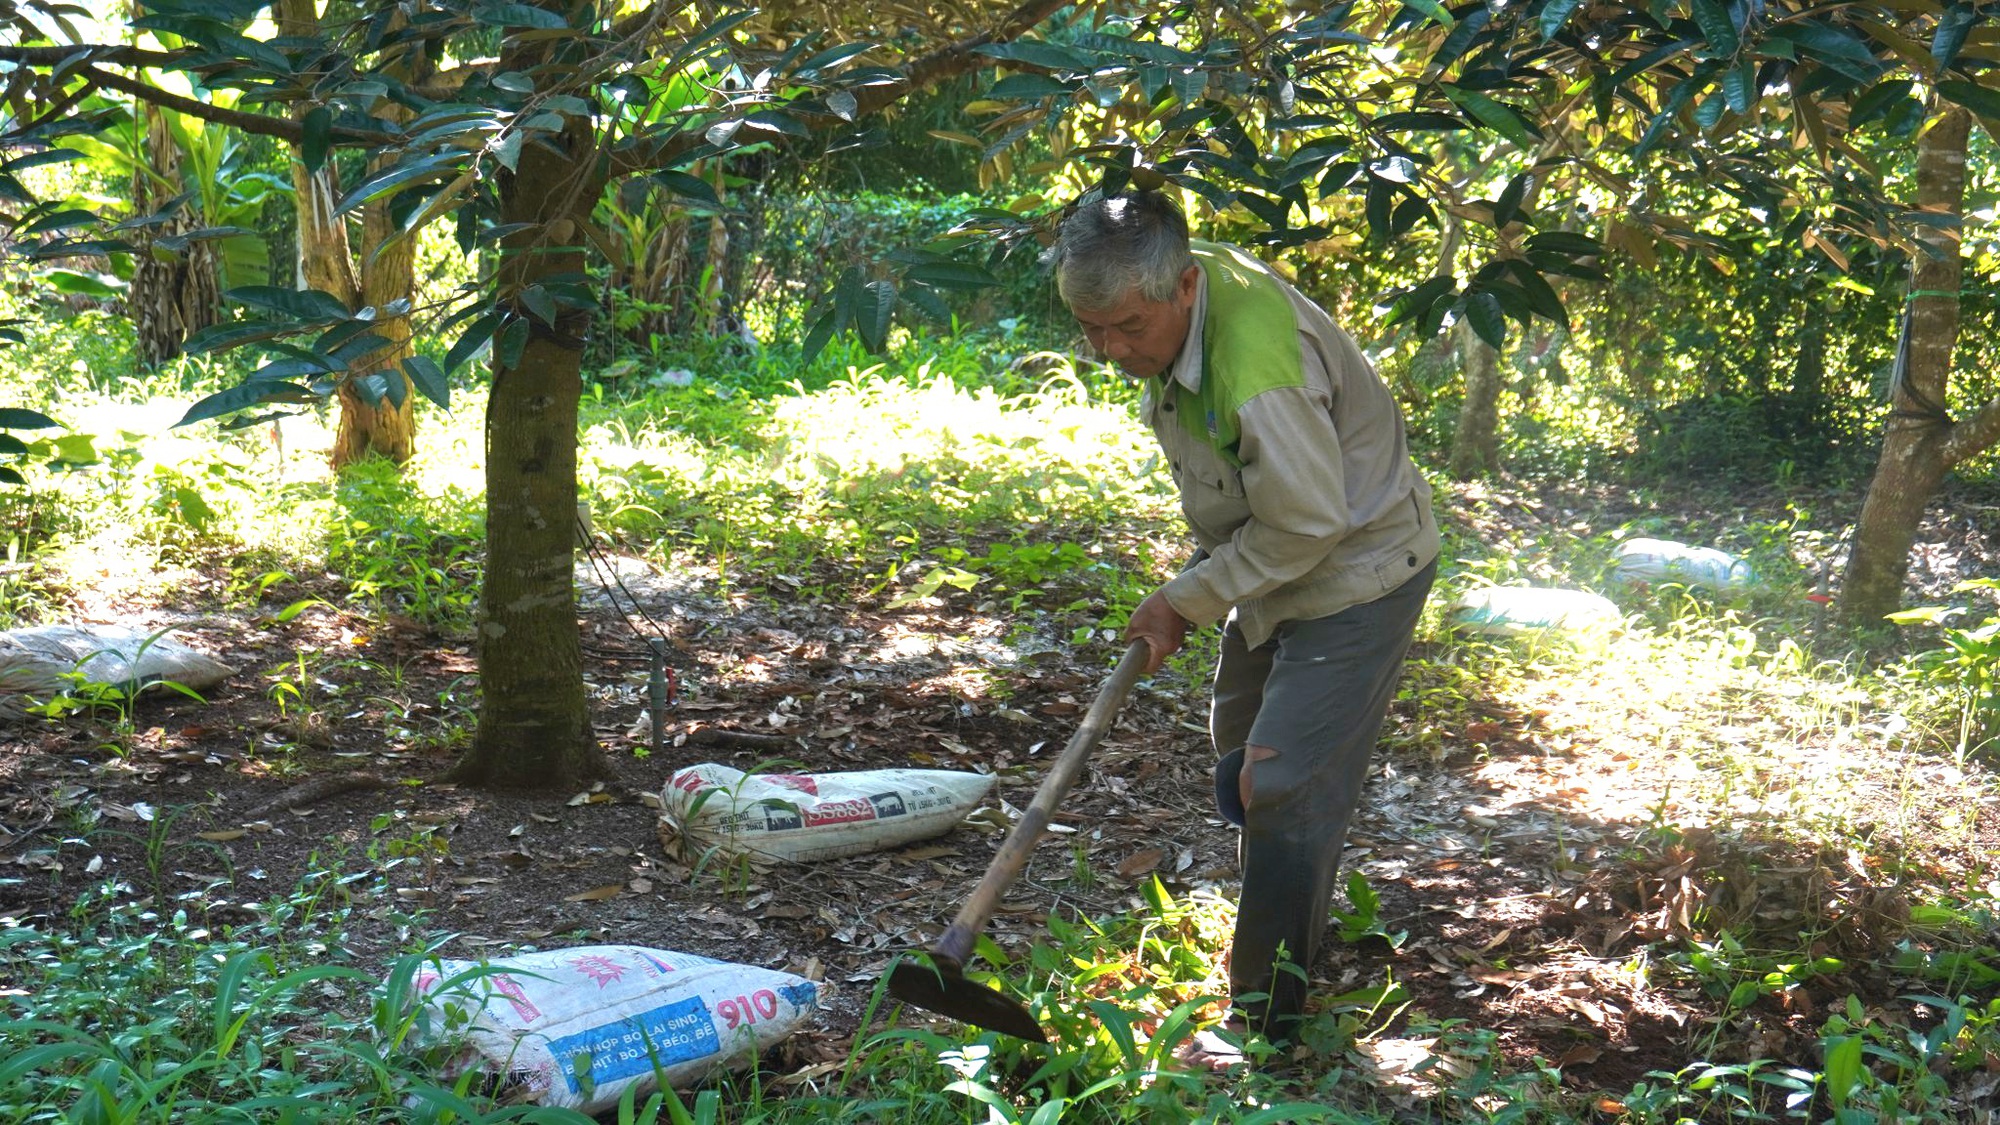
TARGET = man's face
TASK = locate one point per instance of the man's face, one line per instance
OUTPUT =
(1142, 337)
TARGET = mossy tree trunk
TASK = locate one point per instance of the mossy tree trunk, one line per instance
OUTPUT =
(534, 721)
(1919, 437)
(1475, 445)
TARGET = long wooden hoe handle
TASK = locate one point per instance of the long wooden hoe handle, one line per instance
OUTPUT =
(956, 944)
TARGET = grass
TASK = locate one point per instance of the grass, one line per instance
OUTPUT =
(1822, 810)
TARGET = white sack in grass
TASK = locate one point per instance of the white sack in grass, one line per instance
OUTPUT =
(1513, 611)
(575, 1027)
(801, 817)
(34, 662)
(1663, 560)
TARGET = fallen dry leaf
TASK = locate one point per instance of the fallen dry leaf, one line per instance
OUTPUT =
(1583, 1054)
(597, 894)
(1141, 863)
(223, 836)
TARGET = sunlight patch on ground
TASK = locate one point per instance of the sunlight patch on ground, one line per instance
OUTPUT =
(1714, 731)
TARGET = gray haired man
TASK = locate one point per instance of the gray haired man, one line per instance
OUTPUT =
(1316, 543)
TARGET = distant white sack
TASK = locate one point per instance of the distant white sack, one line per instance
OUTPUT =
(36, 663)
(797, 818)
(576, 1027)
(1512, 611)
(1663, 560)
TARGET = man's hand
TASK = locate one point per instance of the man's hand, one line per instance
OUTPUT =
(1163, 629)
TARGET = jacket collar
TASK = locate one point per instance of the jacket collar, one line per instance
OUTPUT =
(1187, 366)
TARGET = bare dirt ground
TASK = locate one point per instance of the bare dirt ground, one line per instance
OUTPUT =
(1536, 852)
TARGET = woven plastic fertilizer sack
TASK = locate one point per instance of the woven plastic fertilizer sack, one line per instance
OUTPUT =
(799, 817)
(1663, 560)
(576, 1027)
(1513, 611)
(36, 663)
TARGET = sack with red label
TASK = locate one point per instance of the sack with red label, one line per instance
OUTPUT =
(576, 1027)
(798, 817)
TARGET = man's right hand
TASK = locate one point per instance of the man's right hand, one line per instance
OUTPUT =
(1158, 624)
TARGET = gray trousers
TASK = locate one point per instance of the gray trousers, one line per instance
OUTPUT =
(1316, 692)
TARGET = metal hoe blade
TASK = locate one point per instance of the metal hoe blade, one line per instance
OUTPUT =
(940, 987)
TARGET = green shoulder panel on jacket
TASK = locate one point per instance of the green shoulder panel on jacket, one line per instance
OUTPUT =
(1249, 344)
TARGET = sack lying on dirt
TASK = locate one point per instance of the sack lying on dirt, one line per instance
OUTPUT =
(1512, 611)
(800, 817)
(34, 662)
(575, 1027)
(1663, 560)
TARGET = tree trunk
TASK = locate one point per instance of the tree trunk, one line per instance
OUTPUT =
(389, 273)
(173, 295)
(1475, 446)
(1914, 437)
(534, 722)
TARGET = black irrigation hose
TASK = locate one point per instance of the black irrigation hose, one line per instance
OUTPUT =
(662, 686)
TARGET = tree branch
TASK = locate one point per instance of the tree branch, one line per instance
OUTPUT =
(957, 58)
(102, 53)
(1973, 434)
(283, 128)
(928, 70)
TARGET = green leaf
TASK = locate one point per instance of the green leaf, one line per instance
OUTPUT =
(11, 445)
(9, 476)
(304, 304)
(1949, 38)
(1982, 100)
(1415, 302)
(519, 15)
(833, 56)
(1036, 52)
(689, 187)
(1461, 38)
(1739, 86)
(429, 379)
(59, 220)
(21, 418)
(817, 337)
(318, 139)
(222, 337)
(1565, 242)
(1832, 46)
(1488, 322)
(394, 177)
(100, 285)
(1492, 114)
(1433, 9)
(512, 343)
(1716, 26)
(472, 339)
(1876, 102)
(1843, 1069)
(952, 275)
(1542, 296)
(1555, 14)
(1509, 204)
(871, 315)
(1028, 87)
(249, 394)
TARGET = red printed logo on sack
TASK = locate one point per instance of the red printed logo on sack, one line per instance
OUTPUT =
(599, 968)
(839, 812)
(803, 783)
(507, 986)
(688, 781)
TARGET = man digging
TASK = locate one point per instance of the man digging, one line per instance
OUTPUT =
(1316, 542)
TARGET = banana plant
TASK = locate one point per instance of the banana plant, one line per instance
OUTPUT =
(214, 175)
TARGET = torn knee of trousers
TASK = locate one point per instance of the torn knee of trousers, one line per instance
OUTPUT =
(1228, 792)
